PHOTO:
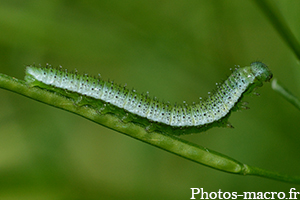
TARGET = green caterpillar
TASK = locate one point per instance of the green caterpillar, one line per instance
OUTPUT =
(151, 113)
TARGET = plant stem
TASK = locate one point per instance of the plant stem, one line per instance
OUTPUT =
(278, 22)
(278, 87)
(169, 143)
(251, 170)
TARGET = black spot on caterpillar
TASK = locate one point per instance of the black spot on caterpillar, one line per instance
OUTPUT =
(131, 107)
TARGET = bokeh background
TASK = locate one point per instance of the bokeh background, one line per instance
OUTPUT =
(176, 50)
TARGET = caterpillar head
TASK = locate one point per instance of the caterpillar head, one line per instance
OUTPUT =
(261, 71)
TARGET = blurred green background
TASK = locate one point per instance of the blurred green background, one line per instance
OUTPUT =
(176, 50)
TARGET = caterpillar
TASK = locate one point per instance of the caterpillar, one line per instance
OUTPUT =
(109, 98)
